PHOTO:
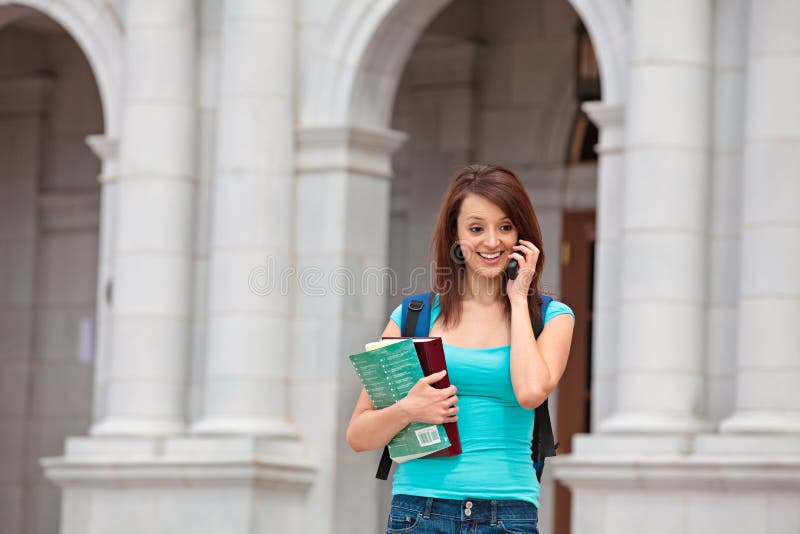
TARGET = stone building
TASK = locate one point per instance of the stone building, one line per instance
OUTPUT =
(200, 201)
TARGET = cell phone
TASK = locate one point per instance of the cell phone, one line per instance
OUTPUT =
(513, 267)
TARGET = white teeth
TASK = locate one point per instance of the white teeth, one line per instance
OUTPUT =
(489, 256)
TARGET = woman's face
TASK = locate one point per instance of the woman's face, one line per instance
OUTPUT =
(486, 235)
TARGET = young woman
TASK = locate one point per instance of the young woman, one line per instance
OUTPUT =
(499, 369)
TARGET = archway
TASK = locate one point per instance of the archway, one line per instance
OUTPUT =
(97, 31)
(359, 70)
(49, 241)
(503, 82)
(346, 142)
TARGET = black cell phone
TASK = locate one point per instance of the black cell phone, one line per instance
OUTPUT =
(513, 268)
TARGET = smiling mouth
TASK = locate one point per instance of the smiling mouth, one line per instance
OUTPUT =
(489, 256)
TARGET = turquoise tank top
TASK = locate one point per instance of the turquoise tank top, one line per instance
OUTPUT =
(495, 430)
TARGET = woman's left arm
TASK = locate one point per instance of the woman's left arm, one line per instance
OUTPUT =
(536, 364)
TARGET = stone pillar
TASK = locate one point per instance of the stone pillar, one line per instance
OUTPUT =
(248, 342)
(664, 235)
(343, 179)
(610, 173)
(132, 476)
(107, 150)
(151, 292)
(768, 373)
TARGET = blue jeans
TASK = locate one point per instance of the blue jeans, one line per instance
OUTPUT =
(424, 515)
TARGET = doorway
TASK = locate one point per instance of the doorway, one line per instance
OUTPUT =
(574, 390)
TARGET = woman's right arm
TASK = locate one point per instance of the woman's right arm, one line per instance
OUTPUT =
(372, 429)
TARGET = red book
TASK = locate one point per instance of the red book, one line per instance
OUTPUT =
(431, 357)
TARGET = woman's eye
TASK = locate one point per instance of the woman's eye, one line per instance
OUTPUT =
(506, 228)
(475, 229)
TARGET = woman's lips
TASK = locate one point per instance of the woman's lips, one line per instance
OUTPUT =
(494, 261)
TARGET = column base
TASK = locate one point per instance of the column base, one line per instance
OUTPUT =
(121, 427)
(762, 423)
(650, 423)
(682, 484)
(244, 426)
(204, 486)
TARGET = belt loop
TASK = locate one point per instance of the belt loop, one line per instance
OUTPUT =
(494, 512)
(428, 506)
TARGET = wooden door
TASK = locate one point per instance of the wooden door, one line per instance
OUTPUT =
(574, 390)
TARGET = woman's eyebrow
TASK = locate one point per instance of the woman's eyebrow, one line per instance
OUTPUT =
(481, 218)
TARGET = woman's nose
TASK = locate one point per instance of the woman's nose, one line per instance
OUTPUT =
(491, 239)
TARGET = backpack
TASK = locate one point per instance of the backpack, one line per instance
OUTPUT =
(415, 322)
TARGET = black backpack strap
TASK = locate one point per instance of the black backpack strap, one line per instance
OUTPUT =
(412, 316)
(543, 434)
(384, 465)
(543, 442)
(413, 308)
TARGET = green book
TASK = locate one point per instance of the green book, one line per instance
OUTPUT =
(388, 371)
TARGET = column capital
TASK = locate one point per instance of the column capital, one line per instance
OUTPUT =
(610, 120)
(348, 149)
(107, 149)
(605, 115)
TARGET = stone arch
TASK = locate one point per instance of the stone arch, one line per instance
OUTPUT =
(98, 32)
(355, 80)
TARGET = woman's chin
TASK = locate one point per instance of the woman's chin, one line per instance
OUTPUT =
(484, 271)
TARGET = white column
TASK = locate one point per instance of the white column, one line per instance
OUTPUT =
(610, 173)
(342, 220)
(248, 343)
(664, 236)
(151, 292)
(768, 374)
(107, 150)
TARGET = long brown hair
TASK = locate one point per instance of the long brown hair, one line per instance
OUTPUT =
(500, 186)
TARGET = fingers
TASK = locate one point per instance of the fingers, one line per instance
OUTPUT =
(526, 249)
(451, 401)
(521, 252)
(450, 415)
(448, 392)
(435, 377)
(529, 245)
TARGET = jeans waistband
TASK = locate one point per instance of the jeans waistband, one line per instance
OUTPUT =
(478, 509)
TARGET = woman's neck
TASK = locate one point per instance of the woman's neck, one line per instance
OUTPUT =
(483, 290)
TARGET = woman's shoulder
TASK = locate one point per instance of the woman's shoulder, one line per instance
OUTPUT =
(556, 308)
(397, 314)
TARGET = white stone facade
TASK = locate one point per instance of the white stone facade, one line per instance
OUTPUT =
(161, 161)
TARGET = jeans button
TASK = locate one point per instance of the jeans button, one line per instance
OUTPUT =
(469, 504)
(467, 512)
